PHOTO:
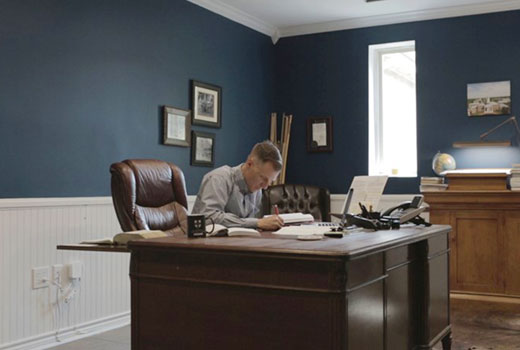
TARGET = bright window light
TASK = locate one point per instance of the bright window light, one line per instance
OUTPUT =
(392, 110)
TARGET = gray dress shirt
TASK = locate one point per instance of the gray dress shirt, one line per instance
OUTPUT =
(224, 197)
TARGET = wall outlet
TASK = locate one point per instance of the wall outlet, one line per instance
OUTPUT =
(40, 277)
(58, 273)
(75, 268)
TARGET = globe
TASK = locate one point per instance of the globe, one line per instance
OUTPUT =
(442, 162)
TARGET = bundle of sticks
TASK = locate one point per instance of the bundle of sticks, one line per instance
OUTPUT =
(283, 143)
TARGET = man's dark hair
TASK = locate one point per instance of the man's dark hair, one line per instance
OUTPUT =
(266, 151)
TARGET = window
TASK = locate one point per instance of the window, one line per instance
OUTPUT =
(392, 110)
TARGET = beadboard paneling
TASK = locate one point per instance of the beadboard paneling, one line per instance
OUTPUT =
(29, 232)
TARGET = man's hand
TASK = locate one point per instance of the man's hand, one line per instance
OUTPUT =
(270, 223)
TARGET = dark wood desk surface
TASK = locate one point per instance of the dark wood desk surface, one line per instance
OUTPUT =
(351, 245)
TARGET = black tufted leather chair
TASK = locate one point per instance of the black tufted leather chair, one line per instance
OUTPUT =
(298, 198)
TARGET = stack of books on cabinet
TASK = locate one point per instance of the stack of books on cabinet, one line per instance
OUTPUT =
(514, 180)
(429, 184)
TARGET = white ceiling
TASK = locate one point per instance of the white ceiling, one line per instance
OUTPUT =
(280, 18)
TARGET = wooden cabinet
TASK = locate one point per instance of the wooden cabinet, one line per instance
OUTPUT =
(485, 237)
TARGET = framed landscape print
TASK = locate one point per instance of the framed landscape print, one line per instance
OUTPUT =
(206, 104)
(177, 126)
(489, 98)
(319, 134)
(202, 148)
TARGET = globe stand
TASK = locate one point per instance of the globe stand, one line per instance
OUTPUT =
(442, 162)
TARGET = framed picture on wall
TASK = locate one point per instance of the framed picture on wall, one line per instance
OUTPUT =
(206, 104)
(319, 134)
(492, 98)
(176, 126)
(202, 148)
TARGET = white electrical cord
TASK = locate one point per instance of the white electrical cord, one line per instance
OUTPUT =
(57, 309)
(67, 294)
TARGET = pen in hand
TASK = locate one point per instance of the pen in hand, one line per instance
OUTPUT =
(276, 211)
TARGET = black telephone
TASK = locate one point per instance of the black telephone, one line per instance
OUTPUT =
(406, 211)
(391, 218)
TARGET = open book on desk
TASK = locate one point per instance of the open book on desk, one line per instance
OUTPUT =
(223, 231)
(124, 237)
(294, 218)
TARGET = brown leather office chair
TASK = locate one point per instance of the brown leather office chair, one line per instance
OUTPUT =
(298, 198)
(149, 194)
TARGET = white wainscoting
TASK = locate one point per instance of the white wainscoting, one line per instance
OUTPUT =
(30, 230)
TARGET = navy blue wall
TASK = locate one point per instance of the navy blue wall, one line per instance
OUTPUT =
(327, 75)
(82, 82)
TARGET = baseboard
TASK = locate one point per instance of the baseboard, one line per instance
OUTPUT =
(66, 335)
(486, 297)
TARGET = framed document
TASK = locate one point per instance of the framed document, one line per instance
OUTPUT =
(177, 127)
(319, 134)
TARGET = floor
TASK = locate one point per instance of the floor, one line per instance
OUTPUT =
(117, 339)
(477, 325)
(481, 325)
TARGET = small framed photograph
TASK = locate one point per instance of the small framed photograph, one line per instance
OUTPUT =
(319, 134)
(202, 148)
(177, 126)
(206, 104)
(489, 98)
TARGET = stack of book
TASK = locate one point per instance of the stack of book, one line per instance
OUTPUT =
(429, 184)
(514, 180)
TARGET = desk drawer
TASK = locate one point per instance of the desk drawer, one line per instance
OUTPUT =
(365, 270)
(396, 256)
(437, 244)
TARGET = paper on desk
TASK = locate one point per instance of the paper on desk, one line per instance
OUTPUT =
(367, 191)
(302, 230)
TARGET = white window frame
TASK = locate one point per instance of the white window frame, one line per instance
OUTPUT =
(375, 106)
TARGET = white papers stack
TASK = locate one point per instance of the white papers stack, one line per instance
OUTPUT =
(303, 230)
(295, 218)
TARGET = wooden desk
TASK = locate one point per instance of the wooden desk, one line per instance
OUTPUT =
(375, 290)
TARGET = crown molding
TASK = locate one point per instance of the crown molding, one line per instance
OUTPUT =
(412, 16)
(263, 27)
(239, 16)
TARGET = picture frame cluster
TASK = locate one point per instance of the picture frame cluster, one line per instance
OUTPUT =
(206, 110)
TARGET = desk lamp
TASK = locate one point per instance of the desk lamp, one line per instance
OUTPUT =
(485, 143)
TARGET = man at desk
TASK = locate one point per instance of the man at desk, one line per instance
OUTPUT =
(232, 196)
